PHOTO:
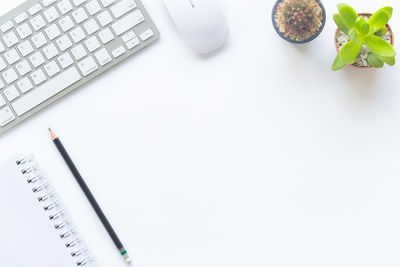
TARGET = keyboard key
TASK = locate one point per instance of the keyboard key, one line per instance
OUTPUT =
(51, 14)
(10, 39)
(65, 60)
(24, 31)
(87, 66)
(3, 65)
(129, 36)
(23, 67)
(128, 22)
(52, 68)
(36, 59)
(132, 43)
(106, 36)
(123, 7)
(106, 3)
(92, 44)
(52, 32)
(2, 84)
(38, 22)
(91, 26)
(79, 15)
(105, 18)
(12, 56)
(64, 6)
(2, 101)
(146, 35)
(7, 26)
(64, 43)
(93, 7)
(77, 35)
(10, 76)
(46, 91)
(66, 23)
(78, 2)
(50, 51)
(35, 9)
(118, 51)
(6, 116)
(21, 17)
(25, 48)
(11, 93)
(39, 40)
(2, 48)
(38, 77)
(103, 57)
(78, 52)
(47, 3)
(24, 85)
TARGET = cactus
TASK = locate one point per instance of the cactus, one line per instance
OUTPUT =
(299, 19)
(298, 15)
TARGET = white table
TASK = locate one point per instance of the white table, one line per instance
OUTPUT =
(259, 155)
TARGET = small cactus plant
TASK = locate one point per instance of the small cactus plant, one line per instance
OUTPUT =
(299, 20)
(299, 16)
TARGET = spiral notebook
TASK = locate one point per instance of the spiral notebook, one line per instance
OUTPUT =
(35, 230)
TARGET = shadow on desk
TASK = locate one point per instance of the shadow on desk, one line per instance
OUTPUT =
(363, 83)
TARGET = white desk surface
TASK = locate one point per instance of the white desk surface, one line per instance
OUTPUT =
(257, 156)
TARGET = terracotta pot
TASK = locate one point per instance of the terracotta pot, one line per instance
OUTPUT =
(303, 41)
(363, 14)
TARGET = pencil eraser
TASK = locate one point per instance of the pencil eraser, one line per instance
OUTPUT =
(128, 260)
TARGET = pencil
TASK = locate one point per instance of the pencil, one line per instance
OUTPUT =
(90, 196)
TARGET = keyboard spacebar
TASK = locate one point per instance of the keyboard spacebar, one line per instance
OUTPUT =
(45, 91)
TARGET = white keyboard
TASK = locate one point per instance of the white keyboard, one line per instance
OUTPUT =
(50, 47)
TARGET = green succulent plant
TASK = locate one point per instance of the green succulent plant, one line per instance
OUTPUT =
(363, 32)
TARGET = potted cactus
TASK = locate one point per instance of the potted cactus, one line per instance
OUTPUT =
(363, 40)
(298, 21)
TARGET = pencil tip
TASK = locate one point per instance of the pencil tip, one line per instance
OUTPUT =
(53, 135)
(49, 129)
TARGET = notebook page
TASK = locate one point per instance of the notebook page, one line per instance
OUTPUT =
(27, 236)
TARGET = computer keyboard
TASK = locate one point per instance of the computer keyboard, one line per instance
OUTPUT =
(50, 47)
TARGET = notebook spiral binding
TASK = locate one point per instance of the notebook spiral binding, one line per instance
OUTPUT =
(52, 206)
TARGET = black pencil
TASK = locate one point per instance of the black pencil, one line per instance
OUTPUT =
(89, 196)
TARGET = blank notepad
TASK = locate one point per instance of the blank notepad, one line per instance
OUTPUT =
(28, 233)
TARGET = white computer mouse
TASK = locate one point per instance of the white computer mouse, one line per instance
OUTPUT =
(201, 23)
